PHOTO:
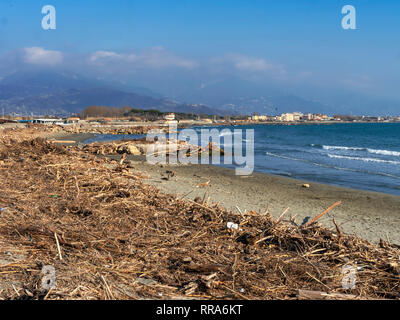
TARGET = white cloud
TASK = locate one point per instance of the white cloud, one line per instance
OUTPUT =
(100, 55)
(156, 57)
(249, 65)
(39, 55)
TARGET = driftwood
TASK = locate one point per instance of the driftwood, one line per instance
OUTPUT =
(62, 141)
(112, 229)
(322, 213)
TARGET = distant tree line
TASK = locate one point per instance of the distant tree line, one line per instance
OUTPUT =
(130, 113)
(102, 111)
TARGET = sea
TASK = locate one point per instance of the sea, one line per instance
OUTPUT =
(363, 156)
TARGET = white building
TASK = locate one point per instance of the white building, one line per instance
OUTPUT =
(169, 116)
(297, 116)
(287, 117)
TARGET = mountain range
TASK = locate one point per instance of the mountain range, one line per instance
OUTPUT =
(237, 95)
(65, 93)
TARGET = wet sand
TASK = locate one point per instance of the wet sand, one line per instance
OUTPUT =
(369, 215)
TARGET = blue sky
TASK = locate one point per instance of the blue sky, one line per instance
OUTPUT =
(292, 42)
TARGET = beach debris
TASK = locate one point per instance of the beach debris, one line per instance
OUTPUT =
(110, 129)
(232, 225)
(136, 231)
(63, 141)
(323, 213)
(187, 259)
(305, 220)
(170, 174)
(306, 185)
(248, 239)
(58, 246)
(133, 150)
(282, 215)
(2, 209)
(146, 282)
(122, 159)
(252, 213)
(395, 267)
(320, 295)
(197, 200)
(204, 184)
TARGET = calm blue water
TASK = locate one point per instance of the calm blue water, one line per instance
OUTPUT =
(361, 156)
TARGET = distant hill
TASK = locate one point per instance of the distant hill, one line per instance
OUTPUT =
(236, 95)
(63, 93)
(239, 96)
(66, 93)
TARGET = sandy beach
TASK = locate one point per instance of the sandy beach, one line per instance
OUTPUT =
(155, 231)
(369, 215)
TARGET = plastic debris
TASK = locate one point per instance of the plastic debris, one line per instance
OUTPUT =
(305, 220)
(232, 225)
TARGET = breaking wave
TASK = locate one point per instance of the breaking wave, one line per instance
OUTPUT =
(331, 166)
(369, 150)
(384, 152)
(342, 148)
(363, 159)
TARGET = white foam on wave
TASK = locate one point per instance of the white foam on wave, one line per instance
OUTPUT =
(330, 166)
(384, 152)
(363, 159)
(369, 150)
(342, 148)
(308, 161)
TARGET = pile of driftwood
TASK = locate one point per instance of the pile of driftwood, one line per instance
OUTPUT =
(89, 128)
(29, 131)
(143, 147)
(110, 129)
(108, 235)
(134, 147)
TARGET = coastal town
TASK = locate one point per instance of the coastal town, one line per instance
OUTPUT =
(183, 118)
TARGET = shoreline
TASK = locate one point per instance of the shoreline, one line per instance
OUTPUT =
(104, 219)
(368, 214)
